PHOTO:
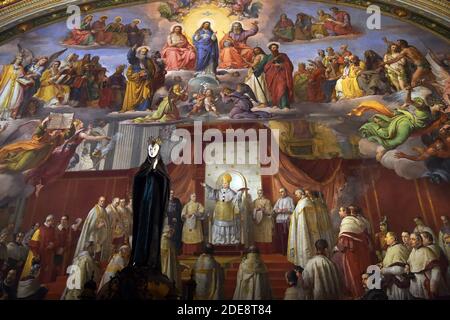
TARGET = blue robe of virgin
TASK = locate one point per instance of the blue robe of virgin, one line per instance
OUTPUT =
(207, 50)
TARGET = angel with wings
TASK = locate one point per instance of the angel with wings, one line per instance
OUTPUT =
(20, 80)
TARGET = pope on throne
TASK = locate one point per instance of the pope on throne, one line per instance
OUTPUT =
(226, 217)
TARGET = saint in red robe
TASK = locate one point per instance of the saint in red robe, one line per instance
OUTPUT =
(354, 256)
(315, 85)
(279, 79)
(342, 24)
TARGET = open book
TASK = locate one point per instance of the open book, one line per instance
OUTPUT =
(60, 121)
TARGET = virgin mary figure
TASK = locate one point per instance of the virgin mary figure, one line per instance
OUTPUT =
(205, 41)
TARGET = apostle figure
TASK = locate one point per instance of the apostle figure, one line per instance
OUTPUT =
(353, 254)
(11, 91)
(252, 282)
(303, 230)
(151, 188)
(115, 221)
(135, 35)
(102, 37)
(62, 256)
(256, 78)
(174, 218)
(205, 41)
(140, 75)
(116, 264)
(340, 24)
(283, 209)
(284, 29)
(234, 51)
(423, 265)
(263, 223)
(280, 83)
(178, 53)
(393, 269)
(209, 276)
(192, 216)
(169, 262)
(321, 276)
(226, 221)
(84, 269)
(96, 228)
(42, 246)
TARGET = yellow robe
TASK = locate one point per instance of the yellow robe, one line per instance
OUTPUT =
(27, 266)
(262, 232)
(49, 90)
(192, 235)
(137, 90)
(349, 85)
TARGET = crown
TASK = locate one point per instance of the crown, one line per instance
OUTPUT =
(153, 140)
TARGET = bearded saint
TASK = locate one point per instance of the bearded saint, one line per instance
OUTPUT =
(140, 76)
(278, 71)
(234, 51)
(178, 53)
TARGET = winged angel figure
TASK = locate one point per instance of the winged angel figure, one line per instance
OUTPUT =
(19, 81)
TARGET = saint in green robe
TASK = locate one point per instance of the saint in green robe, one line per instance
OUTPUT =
(390, 132)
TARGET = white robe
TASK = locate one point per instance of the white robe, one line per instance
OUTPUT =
(418, 261)
(116, 264)
(225, 232)
(303, 233)
(396, 254)
(321, 279)
(209, 278)
(283, 203)
(259, 87)
(11, 93)
(86, 268)
(100, 236)
(252, 282)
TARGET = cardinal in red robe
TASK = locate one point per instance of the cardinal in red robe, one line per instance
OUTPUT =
(42, 248)
(280, 83)
(354, 252)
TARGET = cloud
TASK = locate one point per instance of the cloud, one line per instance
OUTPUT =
(12, 186)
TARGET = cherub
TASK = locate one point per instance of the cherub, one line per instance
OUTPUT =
(205, 99)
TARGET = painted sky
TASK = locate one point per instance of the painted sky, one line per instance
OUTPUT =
(45, 40)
